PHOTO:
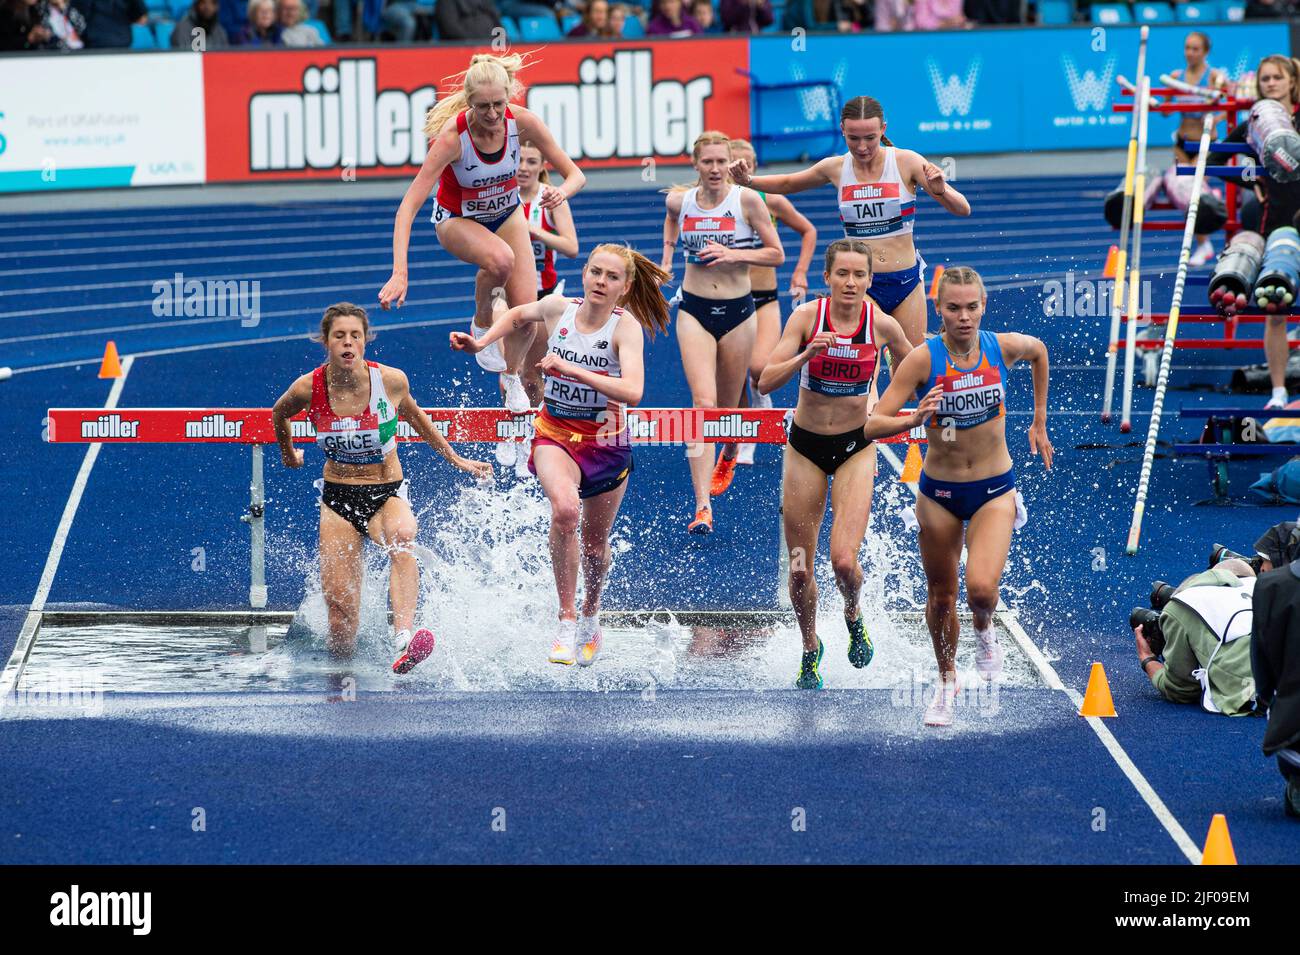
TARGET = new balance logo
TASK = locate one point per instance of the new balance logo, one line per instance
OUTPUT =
(1088, 91)
(951, 94)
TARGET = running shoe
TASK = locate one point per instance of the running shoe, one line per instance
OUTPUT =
(412, 650)
(490, 358)
(516, 398)
(746, 454)
(1276, 403)
(940, 710)
(506, 453)
(523, 452)
(565, 648)
(988, 654)
(861, 649)
(723, 472)
(810, 677)
(590, 639)
(1204, 252)
(703, 523)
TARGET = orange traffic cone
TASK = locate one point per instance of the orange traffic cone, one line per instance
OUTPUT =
(934, 282)
(1096, 699)
(911, 464)
(1112, 259)
(110, 367)
(1218, 844)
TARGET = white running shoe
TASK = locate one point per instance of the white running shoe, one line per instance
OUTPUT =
(988, 655)
(758, 400)
(745, 454)
(523, 452)
(590, 640)
(505, 453)
(940, 710)
(516, 398)
(565, 648)
(490, 358)
(1276, 403)
(1204, 252)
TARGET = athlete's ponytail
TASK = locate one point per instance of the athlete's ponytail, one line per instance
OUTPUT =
(642, 298)
(865, 107)
(484, 69)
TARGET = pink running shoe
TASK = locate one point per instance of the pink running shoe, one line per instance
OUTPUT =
(416, 651)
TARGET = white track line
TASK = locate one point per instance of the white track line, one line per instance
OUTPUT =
(13, 670)
(1053, 681)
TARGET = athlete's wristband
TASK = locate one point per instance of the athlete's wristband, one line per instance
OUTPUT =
(1145, 661)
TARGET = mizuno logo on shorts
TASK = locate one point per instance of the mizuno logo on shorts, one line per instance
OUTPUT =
(719, 309)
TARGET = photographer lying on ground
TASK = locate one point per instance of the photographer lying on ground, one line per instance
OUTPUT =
(1275, 656)
(1194, 644)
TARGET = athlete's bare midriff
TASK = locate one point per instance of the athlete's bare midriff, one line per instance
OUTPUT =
(967, 454)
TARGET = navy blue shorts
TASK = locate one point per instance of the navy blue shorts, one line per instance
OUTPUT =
(888, 289)
(442, 214)
(718, 315)
(962, 499)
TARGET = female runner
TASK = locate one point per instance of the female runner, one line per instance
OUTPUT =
(834, 345)
(967, 485)
(877, 185)
(353, 405)
(473, 159)
(724, 229)
(767, 305)
(581, 454)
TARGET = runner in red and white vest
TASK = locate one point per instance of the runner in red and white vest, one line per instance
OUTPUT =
(594, 369)
(724, 229)
(473, 160)
(877, 185)
(834, 344)
(353, 405)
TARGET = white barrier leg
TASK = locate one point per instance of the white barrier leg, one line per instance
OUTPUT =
(256, 521)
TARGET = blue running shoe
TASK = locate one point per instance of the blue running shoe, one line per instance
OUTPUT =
(861, 649)
(810, 677)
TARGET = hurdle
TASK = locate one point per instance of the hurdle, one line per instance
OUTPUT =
(253, 426)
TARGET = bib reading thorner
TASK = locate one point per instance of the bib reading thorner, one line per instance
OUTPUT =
(971, 396)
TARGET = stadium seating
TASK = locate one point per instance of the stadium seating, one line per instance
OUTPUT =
(1111, 14)
(1153, 13)
(539, 28)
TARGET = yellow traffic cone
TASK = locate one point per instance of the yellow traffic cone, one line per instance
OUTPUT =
(1112, 258)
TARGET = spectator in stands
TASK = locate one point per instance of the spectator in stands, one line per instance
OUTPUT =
(40, 25)
(939, 15)
(399, 20)
(893, 15)
(202, 16)
(64, 23)
(290, 15)
(705, 16)
(466, 19)
(594, 19)
(108, 22)
(746, 16)
(262, 29)
(670, 20)
(234, 17)
(618, 15)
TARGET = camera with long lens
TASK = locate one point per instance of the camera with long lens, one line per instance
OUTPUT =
(1149, 621)
(1219, 553)
(1161, 593)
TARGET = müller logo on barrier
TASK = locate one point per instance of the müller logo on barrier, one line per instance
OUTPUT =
(338, 117)
(617, 108)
